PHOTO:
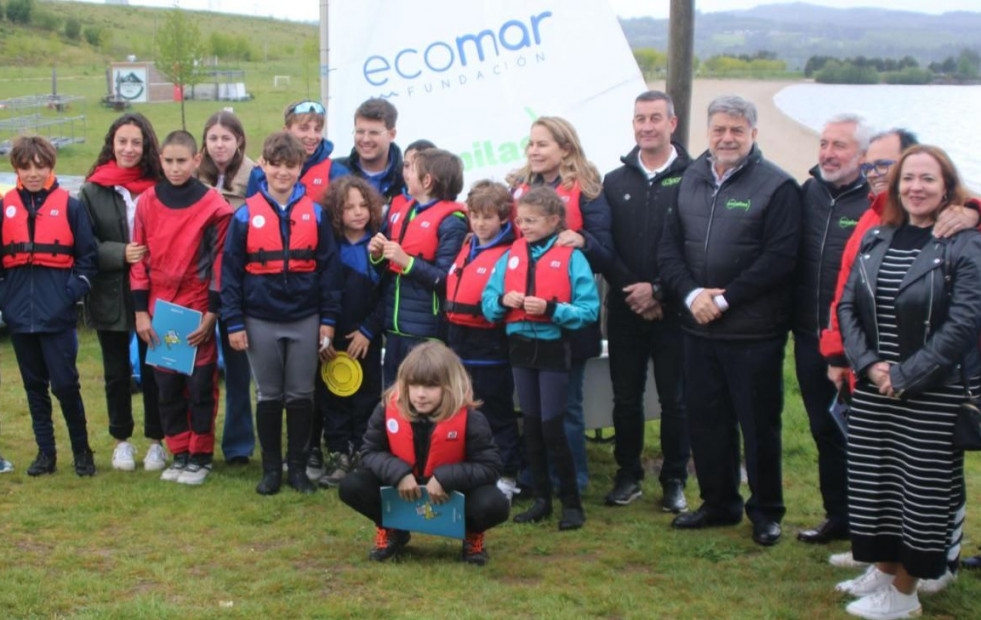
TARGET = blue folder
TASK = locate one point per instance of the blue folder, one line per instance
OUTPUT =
(422, 515)
(173, 323)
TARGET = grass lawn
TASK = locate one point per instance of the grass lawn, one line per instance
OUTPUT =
(127, 545)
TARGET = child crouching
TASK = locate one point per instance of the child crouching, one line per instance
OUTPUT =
(414, 438)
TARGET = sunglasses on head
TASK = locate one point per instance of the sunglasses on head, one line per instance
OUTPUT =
(307, 107)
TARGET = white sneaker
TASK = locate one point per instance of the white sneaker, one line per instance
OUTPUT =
(932, 586)
(5, 466)
(155, 459)
(845, 559)
(173, 473)
(886, 605)
(194, 474)
(508, 486)
(871, 581)
(122, 456)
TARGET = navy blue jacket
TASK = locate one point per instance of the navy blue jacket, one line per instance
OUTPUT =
(360, 291)
(389, 184)
(476, 346)
(42, 299)
(323, 151)
(413, 301)
(279, 297)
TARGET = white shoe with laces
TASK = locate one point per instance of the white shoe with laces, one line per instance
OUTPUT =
(871, 581)
(155, 459)
(932, 586)
(194, 473)
(845, 559)
(509, 487)
(123, 456)
(886, 605)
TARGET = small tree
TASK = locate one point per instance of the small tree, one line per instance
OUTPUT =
(73, 29)
(19, 11)
(179, 46)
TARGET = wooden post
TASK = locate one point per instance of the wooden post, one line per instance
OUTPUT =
(681, 55)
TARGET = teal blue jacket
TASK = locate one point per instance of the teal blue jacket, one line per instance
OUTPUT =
(581, 311)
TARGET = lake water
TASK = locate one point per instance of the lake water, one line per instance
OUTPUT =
(947, 116)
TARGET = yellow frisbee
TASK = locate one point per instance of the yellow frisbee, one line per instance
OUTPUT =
(342, 375)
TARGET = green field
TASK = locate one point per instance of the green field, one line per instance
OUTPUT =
(126, 545)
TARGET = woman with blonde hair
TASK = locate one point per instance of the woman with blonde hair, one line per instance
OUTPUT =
(555, 158)
(426, 433)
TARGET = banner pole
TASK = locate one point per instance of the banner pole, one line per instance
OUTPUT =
(324, 54)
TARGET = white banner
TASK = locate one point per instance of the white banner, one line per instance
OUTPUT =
(472, 75)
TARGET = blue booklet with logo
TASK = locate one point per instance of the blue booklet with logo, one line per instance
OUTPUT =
(173, 323)
(422, 515)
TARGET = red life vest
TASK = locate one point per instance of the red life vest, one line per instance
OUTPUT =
(447, 445)
(264, 252)
(551, 278)
(53, 244)
(418, 236)
(317, 180)
(572, 199)
(466, 283)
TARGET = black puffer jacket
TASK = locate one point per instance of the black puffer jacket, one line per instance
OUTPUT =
(481, 464)
(828, 221)
(937, 329)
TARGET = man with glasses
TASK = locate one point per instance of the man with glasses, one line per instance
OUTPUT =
(375, 157)
(305, 120)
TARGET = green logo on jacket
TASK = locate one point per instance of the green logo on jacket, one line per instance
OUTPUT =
(670, 181)
(846, 222)
(732, 203)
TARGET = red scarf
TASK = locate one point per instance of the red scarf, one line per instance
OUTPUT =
(111, 175)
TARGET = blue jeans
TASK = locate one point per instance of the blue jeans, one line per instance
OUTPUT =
(238, 435)
(575, 423)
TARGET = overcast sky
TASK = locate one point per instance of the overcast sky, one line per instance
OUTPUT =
(309, 9)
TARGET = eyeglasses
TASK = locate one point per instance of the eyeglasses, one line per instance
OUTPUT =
(531, 221)
(881, 166)
(307, 107)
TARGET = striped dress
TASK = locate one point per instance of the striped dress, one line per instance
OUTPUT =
(905, 480)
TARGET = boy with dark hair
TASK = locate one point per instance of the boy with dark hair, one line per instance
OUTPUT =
(375, 157)
(305, 121)
(48, 259)
(280, 298)
(481, 344)
(420, 239)
(182, 222)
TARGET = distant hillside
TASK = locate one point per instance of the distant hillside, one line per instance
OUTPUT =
(796, 31)
(113, 32)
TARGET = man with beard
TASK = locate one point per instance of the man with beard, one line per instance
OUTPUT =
(834, 200)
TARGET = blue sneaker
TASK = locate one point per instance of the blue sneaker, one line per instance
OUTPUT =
(5, 466)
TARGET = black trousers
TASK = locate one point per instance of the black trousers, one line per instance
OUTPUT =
(188, 406)
(119, 399)
(494, 385)
(484, 506)
(48, 359)
(733, 385)
(633, 342)
(817, 392)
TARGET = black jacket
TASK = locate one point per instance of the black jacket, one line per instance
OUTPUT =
(481, 464)
(637, 207)
(828, 221)
(392, 183)
(741, 237)
(937, 325)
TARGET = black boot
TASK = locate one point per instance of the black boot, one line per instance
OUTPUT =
(299, 418)
(540, 509)
(269, 424)
(559, 453)
(272, 474)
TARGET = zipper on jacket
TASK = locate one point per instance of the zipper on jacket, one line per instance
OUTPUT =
(926, 331)
(824, 241)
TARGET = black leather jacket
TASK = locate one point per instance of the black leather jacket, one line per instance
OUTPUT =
(937, 324)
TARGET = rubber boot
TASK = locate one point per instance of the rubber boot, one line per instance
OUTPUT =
(299, 419)
(269, 424)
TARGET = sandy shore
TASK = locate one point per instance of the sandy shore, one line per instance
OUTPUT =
(783, 140)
